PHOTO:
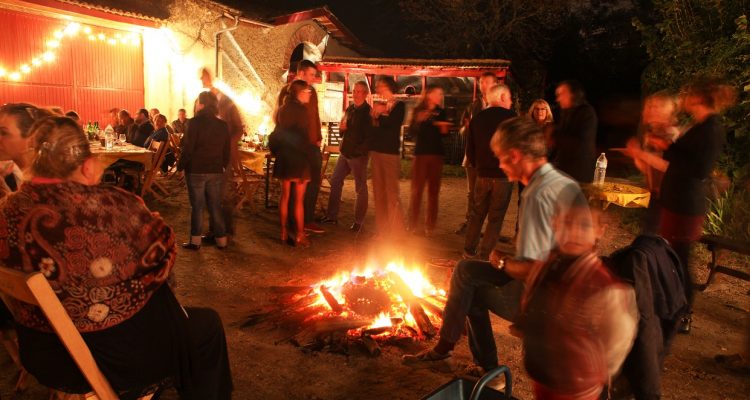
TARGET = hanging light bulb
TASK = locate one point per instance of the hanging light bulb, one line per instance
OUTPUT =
(92, 37)
(87, 30)
(48, 56)
(72, 29)
(15, 76)
(25, 68)
(2, 72)
(111, 41)
(53, 44)
(58, 34)
(35, 61)
(101, 36)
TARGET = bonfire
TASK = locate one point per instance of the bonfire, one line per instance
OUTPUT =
(391, 305)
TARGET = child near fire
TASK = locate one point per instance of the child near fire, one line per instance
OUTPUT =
(577, 320)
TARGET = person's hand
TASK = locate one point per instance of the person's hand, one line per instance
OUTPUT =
(342, 124)
(496, 257)
(632, 148)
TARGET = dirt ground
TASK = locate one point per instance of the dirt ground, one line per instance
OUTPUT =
(237, 281)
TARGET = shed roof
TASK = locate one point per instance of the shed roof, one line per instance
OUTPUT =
(415, 66)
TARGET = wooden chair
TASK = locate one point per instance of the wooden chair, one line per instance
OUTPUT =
(149, 184)
(246, 185)
(174, 144)
(325, 183)
(34, 289)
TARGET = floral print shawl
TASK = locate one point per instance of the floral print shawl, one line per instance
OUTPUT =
(103, 252)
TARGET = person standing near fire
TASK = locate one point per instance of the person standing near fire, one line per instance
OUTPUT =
(385, 145)
(229, 113)
(308, 72)
(355, 126)
(492, 191)
(486, 81)
(429, 123)
(478, 287)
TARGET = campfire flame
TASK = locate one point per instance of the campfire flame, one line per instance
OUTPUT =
(389, 298)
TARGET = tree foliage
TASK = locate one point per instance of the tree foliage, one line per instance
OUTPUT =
(689, 38)
(520, 30)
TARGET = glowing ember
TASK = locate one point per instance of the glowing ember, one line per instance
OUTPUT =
(397, 300)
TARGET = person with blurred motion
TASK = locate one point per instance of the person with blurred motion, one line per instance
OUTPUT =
(229, 113)
(308, 72)
(205, 156)
(429, 124)
(289, 143)
(108, 259)
(478, 287)
(486, 81)
(687, 165)
(355, 126)
(577, 320)
(385, 147)
(659, 130)
(492, 190)
(574, 137)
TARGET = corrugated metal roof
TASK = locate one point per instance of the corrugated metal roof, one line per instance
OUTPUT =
(419, 62)
(152, 10)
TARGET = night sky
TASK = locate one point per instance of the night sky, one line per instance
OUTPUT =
(600, 47)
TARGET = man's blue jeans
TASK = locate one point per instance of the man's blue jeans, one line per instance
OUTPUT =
(477, 288)
(205, 191)
(358, 168)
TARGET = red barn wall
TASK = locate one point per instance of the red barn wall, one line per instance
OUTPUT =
(87, 76)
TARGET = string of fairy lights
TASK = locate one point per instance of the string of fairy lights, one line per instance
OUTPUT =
(73, 30)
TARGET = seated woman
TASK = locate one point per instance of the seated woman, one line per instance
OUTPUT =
(108, 259)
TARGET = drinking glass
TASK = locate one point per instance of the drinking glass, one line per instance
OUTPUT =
(122, 139)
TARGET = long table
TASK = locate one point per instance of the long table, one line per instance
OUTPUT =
(125, 151)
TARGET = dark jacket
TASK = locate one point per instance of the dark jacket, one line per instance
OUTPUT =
(481, 129)
(313, 113)
(289, 142)
(141, 133)
(691, 159)
(386, 132)
(358, 126)
(653, 268)
(206, 145)
(575, 143)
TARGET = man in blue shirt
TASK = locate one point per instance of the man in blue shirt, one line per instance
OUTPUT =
(478, 287)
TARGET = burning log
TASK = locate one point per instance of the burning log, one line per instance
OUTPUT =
(416, 310)
(376, 331)
(337, 324)
(431, 307)
(335, 306)
(372, 347)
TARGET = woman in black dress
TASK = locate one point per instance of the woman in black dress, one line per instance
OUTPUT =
(687, 166)
(287, 143)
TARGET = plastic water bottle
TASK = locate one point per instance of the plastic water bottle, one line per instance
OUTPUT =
(109, 138)
(600, 171)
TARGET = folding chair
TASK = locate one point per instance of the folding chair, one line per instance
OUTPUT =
(325, 183)
(246, 185)
(174, 144)
(160, 152)
(34, 289)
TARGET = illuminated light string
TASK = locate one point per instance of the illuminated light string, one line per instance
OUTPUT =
(72, 30)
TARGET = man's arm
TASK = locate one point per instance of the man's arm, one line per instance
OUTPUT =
(517, 269)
